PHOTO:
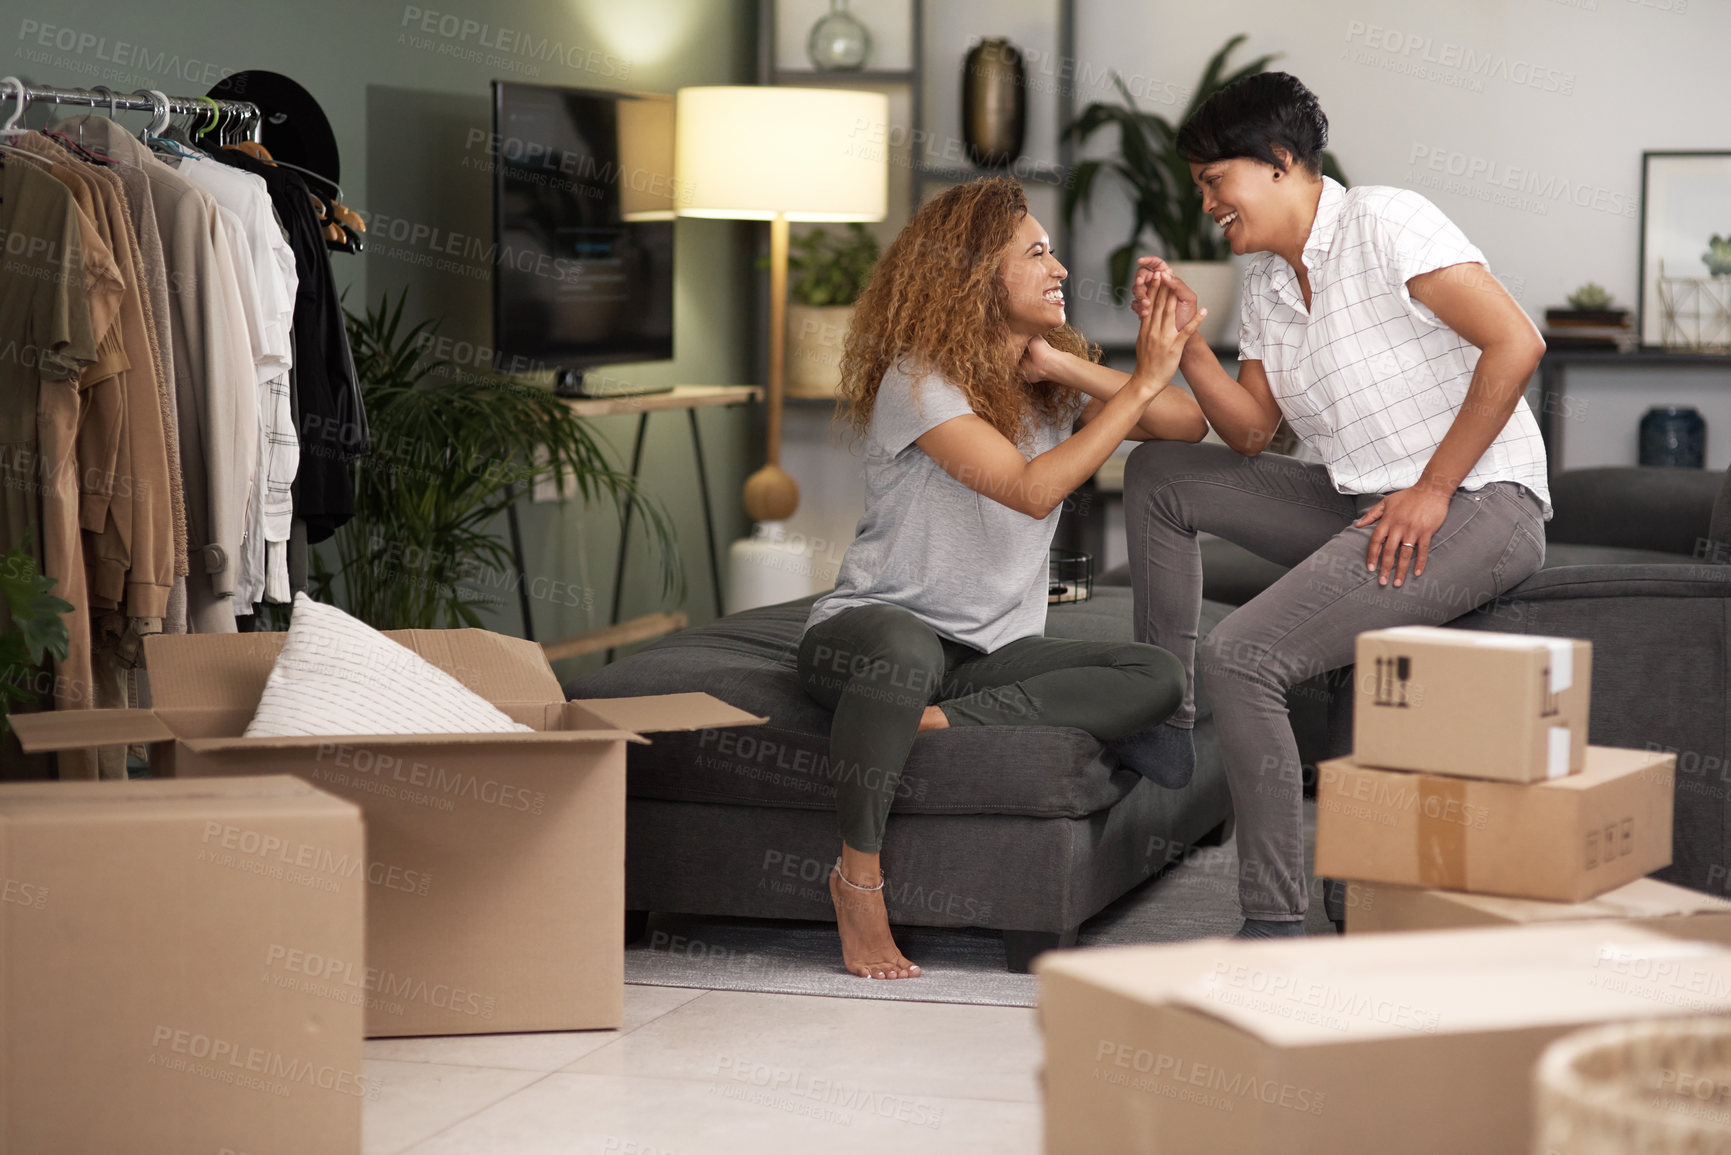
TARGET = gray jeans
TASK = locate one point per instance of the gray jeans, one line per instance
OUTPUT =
(1288, 512)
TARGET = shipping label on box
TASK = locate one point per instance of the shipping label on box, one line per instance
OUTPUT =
(167, 952)
(1566, 839)
(1505, 707)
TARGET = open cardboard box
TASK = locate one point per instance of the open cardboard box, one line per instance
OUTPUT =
(1363, 1045)
(496, 862)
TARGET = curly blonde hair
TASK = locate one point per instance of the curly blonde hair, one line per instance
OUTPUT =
(936, 299)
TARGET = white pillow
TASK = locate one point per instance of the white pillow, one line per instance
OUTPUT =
(338, 675)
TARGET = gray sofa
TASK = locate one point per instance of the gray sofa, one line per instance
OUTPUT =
(1026, 830)
(1636, 561)
(1029, 831)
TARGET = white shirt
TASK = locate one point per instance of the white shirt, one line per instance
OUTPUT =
(269, 283)
(1370, 378)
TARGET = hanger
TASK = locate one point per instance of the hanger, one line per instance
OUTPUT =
(215, 115)
(245, 117)
(158, 111)
(81, 151)
(228, 125)
(163, 114)
(76, 145)
(12, 127)
(161, 111)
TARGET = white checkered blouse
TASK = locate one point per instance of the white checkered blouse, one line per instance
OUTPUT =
(1370, 378)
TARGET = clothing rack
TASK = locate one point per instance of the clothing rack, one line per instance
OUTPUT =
(139, 101)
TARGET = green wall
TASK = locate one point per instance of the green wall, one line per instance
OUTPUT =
(404, 85)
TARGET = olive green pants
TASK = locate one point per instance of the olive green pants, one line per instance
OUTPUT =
(878, 667)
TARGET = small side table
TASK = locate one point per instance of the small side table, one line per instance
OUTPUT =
(690, 398)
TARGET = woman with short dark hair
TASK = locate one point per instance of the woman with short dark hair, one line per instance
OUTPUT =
(1374, 328)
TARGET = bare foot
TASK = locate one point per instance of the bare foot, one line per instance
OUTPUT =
(932, 719)
(867, 947)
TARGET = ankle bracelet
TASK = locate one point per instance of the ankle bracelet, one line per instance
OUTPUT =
(868, 889)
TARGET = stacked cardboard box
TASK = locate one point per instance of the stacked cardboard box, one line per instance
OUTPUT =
(166, 955)
(495, 864)
(1471, 772)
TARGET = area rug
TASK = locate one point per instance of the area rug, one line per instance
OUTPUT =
(1196, 898)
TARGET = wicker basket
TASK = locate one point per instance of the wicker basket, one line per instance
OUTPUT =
(1072, 576)
(1647, 1088)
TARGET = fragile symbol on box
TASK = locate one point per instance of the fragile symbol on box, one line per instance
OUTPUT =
(1392, 675)
(1548, 693)
(1616, 839)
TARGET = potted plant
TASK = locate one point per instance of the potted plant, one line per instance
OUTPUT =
(1165, 200)
(1717, 258)
(35, 630)
(450, 452)
(825, 272)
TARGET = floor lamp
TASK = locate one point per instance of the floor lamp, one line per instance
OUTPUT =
(777, 154)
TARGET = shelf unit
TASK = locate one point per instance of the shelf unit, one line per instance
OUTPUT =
(932, 38)
(921, 176)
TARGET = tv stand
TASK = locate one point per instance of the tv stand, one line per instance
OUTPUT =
(570, 383)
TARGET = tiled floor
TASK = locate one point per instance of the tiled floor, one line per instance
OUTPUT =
(714, 1072)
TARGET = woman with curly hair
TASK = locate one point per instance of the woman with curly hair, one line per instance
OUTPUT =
(965, 384)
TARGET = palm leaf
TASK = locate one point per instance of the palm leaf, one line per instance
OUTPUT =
(1163, 197)
(451, 453)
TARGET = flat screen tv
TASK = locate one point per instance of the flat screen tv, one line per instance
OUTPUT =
(583, 207)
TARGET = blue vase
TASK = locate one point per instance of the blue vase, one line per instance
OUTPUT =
(1674, 438)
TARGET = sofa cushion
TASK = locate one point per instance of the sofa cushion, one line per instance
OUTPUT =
(1635, 507)
(749, 660)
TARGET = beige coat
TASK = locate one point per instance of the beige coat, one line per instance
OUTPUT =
(211, 354)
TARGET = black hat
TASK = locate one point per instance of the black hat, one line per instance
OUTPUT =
(295, 128)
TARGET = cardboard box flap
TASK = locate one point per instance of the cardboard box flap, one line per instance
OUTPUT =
(1323, 992)
(499, 668)
(506, 741)
(658, 713)
(72, 729)
(1643, 898)
(209, 670)
(165, 796)
(1606, 762)
(230, 670)
(1447, 637)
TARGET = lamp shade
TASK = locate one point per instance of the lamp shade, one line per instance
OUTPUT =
(807, 154)
(646, 182)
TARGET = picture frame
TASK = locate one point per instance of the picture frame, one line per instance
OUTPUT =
(1685, 201)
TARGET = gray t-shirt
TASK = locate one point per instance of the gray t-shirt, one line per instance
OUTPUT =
(974, 570)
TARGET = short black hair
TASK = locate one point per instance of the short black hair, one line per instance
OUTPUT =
(1250, 116)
